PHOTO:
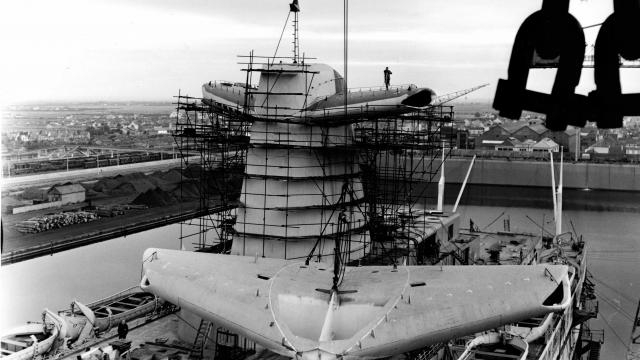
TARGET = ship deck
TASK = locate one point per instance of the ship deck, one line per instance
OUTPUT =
(507, 248)
(497, 248)
(158, 336)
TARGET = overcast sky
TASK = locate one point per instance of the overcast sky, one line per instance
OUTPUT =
(148, 49)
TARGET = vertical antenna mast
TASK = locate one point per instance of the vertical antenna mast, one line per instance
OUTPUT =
(553, 192)
(337, 264)
(294, 7)
(440, 205)
(559, 197)
(346, 53)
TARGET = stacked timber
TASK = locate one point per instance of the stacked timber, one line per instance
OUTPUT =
(54, 221)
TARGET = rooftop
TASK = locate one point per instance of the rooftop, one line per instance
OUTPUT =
(67, 189)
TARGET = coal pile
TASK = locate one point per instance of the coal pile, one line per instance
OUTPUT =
(162, 188)
(172, 176)
(188, 191)
(155, 198)
(123, 189)
(105, 185)
(224, 183)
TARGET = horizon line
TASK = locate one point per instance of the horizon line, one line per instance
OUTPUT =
(85, 101)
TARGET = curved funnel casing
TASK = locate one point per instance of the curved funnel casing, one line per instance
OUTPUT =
(420, 99)
(368, 103)
(314, 99)
(301, 180)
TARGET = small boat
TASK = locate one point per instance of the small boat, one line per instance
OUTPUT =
(496, 345)
(104, 314)
(30, 340)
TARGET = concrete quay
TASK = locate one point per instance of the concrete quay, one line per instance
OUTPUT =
(578, 175)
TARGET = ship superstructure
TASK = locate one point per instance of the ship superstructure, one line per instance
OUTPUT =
(302, 179)
(562, 335)
(315, 158)
(310, 166)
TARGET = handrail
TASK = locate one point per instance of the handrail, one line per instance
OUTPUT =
(118, 294)
(378, 88)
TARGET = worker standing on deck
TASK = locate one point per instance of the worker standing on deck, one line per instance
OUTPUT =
(387, 77)
(123, 329)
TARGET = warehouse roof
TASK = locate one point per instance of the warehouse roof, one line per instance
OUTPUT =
(66, 189)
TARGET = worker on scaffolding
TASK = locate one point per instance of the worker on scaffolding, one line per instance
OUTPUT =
(387, 77)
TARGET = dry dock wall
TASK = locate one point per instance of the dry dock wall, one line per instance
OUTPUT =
(622, 177)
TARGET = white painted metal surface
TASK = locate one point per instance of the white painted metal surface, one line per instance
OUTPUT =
(380, 311)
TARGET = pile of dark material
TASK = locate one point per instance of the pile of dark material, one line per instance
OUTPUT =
(163, 188)
(189, 190)
(154, 198)
(214, 184)
(129, 184)
(55, 221)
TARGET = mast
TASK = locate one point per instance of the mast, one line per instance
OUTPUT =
(337, 262)
(559, 198)
(464, 183)
(553, 192)
(294, 7)
(441, 184)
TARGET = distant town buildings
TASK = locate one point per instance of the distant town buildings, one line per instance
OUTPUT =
(31, 128)
(31, 131)
(488, 132)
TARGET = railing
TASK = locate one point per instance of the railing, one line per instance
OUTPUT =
(128, 291)
(429, 352)
(380, 88)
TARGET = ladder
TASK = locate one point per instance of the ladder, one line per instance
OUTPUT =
(428, 352)
(197, 351)
(594, 350)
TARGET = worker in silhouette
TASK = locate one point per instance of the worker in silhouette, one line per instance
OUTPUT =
(387, 77)
(123, 329)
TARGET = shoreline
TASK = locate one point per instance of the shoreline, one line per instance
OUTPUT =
(20, 247)
(475, 195)
(45, 248)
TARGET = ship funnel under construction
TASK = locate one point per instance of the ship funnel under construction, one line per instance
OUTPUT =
(302, 180)
(313, 170)
(325, 169)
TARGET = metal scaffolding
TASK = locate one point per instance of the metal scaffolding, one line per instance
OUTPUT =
(213, 146)
(266, 178)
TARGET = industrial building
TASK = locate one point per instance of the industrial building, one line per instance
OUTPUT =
(67, 194)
